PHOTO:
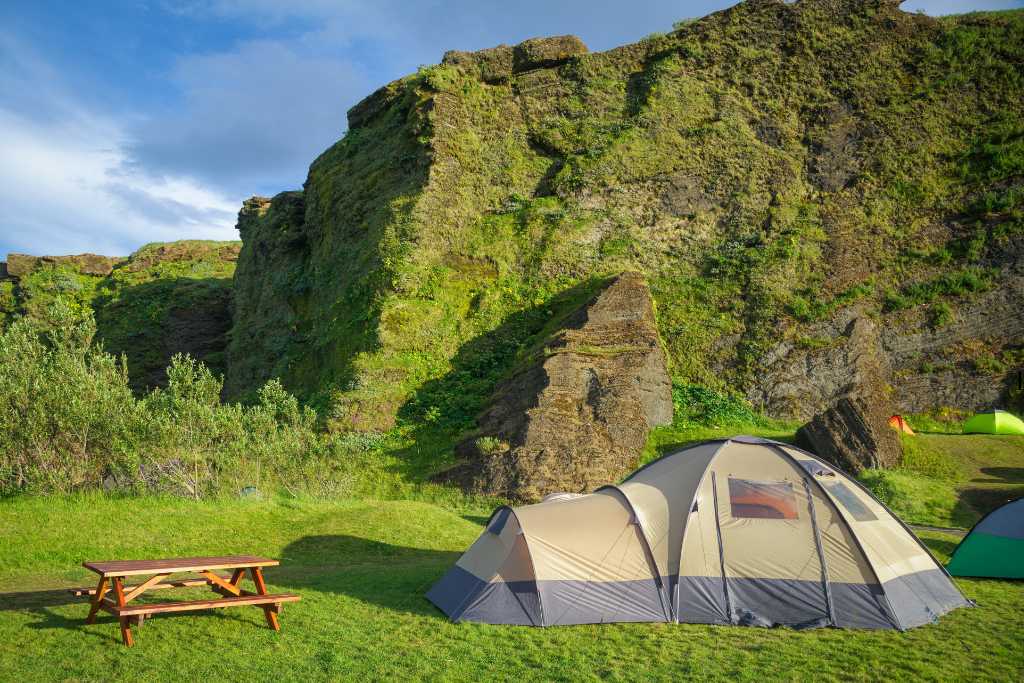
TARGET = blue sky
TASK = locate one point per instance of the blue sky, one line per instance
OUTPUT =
(128, 122)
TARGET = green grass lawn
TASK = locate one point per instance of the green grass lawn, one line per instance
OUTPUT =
(362, 568)
(951, 480)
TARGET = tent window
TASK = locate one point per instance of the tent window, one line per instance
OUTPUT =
(762, 499)
(851, 502)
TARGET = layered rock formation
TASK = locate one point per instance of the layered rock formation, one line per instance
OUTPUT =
(577, 415)
(776, 170)
(853, 435)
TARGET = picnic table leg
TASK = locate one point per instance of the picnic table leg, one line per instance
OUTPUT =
(101, 590)
(261, 589)
(126, 628)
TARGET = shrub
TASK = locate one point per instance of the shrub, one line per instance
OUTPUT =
(65, 407)
(68, 420)
(695, 404)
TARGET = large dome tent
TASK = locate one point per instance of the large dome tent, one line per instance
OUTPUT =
(739, 531)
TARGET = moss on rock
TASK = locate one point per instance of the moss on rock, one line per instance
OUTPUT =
(766, 168)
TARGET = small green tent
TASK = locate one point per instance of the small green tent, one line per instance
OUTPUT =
(994, 548)
(994, 422)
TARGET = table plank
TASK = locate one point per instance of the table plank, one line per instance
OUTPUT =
(179, 564)
(183, 583)
(190, 605)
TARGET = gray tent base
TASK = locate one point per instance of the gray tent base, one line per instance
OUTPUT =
(701, 600)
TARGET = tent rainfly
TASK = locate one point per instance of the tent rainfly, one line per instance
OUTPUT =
(742, 531)
(994, 422)
(994, 548)
(899, 424)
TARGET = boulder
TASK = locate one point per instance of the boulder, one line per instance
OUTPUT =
(537, 53)
(578, 415)
(492, 65)
(853, 434)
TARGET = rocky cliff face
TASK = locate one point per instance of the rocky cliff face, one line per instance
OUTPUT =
(775, 170)
(577, 412)
(163, 299)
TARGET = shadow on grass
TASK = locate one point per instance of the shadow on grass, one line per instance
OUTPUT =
(974, 503)
(390, 576)
(1008, 475)
(940, 546)
(29, 600)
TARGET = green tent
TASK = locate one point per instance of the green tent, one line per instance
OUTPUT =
(994, 422)
(994, 547)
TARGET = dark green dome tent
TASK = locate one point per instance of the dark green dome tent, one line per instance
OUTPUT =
(739, 531)
(994, 422)
(994, 548)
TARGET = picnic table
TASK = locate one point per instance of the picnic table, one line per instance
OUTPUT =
(113, 574)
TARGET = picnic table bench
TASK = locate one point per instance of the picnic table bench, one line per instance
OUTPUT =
(113, 574)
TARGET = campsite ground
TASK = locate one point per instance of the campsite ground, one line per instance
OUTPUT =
(362, 567)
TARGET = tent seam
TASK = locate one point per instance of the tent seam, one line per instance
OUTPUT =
(536, 581)
(721, 550)
(648, 552)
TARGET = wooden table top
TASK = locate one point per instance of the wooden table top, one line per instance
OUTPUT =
(178, 564)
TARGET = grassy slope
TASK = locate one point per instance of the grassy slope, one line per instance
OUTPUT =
(362, 567)
(951, 480)
(153, 304)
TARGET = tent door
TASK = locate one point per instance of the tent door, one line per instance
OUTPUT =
(758, 519)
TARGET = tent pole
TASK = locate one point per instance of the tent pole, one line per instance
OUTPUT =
(721, 549)
(821, 555)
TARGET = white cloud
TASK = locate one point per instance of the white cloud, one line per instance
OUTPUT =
(65, 188)
(66, 184)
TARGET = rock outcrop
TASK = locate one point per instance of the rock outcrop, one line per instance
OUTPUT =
(853, 431)
(853, 435)
(773, 186)
(164, 299)
(578, 415)
(20, 265)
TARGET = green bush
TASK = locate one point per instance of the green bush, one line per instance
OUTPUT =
(695, 404)
(69, 421)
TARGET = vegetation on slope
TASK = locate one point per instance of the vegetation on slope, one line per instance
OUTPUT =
(765, 166)
(165, 298)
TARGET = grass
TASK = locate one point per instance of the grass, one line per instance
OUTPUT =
(951, 480)
(362, 568)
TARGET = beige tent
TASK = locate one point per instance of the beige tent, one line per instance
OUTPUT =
(741, 531)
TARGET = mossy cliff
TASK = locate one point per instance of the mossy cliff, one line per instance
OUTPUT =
(165, 298)
(775, 170)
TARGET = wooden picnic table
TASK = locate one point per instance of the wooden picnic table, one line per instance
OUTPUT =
(113, 574)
